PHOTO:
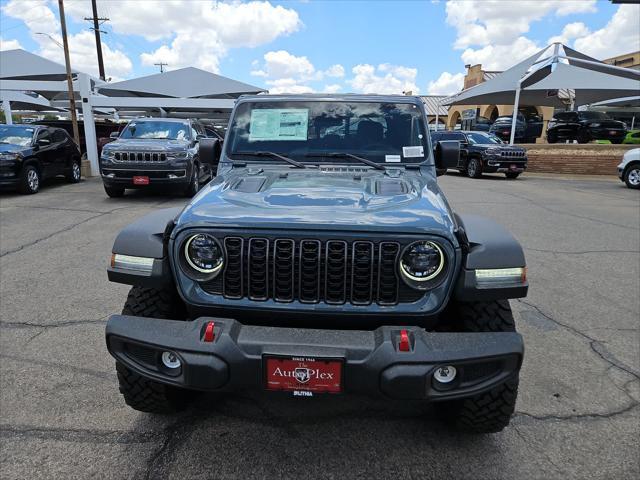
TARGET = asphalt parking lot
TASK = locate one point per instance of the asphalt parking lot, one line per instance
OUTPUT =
(578, 412)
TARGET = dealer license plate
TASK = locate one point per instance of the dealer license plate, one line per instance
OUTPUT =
(140, 180)
(613, 132)
(513, 167)
(303, 375)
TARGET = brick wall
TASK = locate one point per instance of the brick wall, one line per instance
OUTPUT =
(587, 159)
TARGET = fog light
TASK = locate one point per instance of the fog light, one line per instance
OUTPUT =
(445, 374)
(170, 360)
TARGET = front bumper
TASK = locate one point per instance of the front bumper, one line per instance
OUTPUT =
(123, 177)
(497, 164)
(373, 361)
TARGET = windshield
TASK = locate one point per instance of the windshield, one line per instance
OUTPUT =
(305, 130)
(156, 130)
(482, 138)
(16, 135)
(593, 116)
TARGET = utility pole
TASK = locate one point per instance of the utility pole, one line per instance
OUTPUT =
(96, 29)
(161, 64)
(67, 62)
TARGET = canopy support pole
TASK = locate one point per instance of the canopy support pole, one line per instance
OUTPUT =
(6, 108)
(90, 137)
(437, 114)
(514, 117)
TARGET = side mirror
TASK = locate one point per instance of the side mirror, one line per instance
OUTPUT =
(114, 135)
(447, 155)
(209, 150)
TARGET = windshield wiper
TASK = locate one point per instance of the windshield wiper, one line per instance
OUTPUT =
(375, 165)
(273, 155)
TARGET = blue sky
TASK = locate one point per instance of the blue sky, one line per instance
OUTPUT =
(375, 46)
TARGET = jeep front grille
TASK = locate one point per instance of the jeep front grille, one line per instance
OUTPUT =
(512, 154)
(139, 157)
(331, 271)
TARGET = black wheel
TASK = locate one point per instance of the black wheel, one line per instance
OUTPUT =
(512, 175)
(632, 176)
(139, 392)
(194, 184)
(74, 174)
(474, 168)
(552, 137)
(583, 137)
(491, 411)
(30, 180)
(114, 192)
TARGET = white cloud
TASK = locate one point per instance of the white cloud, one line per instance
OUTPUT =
(333, 88)
(282, 64)
(570, 32)
(446, 84)
(40, 18)
(386, 78)
(620, 35)
(195, 33)
(336, 71)
(288, 85)
(500, 57)
(491, 22)
(9, 44)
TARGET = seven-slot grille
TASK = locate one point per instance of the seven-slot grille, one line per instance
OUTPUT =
(512, 154)
(331, 271)
(139, 157)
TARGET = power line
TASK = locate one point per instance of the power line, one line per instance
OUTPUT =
(97, 21)
(161, 64)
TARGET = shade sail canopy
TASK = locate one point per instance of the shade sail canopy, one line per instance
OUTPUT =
(22, 101)
(21, 65)
(550, 71)
(187, 82)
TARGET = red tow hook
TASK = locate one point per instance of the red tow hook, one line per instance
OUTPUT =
(404, 345)
(209, 334)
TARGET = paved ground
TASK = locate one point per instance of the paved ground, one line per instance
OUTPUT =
(578, 417)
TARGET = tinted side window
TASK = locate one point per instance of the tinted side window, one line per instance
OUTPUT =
(58, 136)
(454, 136)
(44, 135)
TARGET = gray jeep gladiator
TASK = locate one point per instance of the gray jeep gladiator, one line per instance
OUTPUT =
(322, 259)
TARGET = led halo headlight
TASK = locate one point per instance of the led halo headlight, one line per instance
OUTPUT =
(204, 254)
(421, 262)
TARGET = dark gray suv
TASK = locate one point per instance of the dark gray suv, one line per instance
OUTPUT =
(162, 152)
(323, 259)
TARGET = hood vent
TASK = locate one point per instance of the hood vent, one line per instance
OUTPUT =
(391, 187)
(249, 185)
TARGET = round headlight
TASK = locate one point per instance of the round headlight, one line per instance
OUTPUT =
(204, 254)
(422, 261)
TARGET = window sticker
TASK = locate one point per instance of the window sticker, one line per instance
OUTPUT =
(392, 158)
(412, 152)
(277, 124)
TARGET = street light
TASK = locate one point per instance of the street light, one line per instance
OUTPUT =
(51, 38)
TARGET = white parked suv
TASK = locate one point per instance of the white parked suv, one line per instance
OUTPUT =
(629, 168)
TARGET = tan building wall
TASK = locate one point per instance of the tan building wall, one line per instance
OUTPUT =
(628, 60)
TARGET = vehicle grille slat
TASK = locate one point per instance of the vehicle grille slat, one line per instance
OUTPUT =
(143, 157)
(331, 271)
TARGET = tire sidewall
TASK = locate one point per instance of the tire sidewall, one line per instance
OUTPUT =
(30, 180)
(633, 168)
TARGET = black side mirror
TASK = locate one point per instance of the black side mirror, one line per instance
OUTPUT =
(114, 135)
(447, 155)
(209, 150)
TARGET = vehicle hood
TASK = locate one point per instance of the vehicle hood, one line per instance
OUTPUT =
(502, 147)
(325, 198)
(147, 145)
(13, 148)
(606, 123)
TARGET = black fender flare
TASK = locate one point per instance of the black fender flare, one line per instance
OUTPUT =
(146, 237)
(488, 246)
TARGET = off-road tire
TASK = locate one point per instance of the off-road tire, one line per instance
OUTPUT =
(75, 172)
(30, 179)
(148, 396)
(488, 412)
(512, 175)
(114, 192)
(139, 392)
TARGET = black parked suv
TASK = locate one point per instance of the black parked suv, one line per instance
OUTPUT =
(527, 129)
(323, 259)
(31, 153)
(584, 127)
(161, 152)
(482, 152)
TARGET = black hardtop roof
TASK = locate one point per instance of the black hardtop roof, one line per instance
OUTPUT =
(341, 97)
